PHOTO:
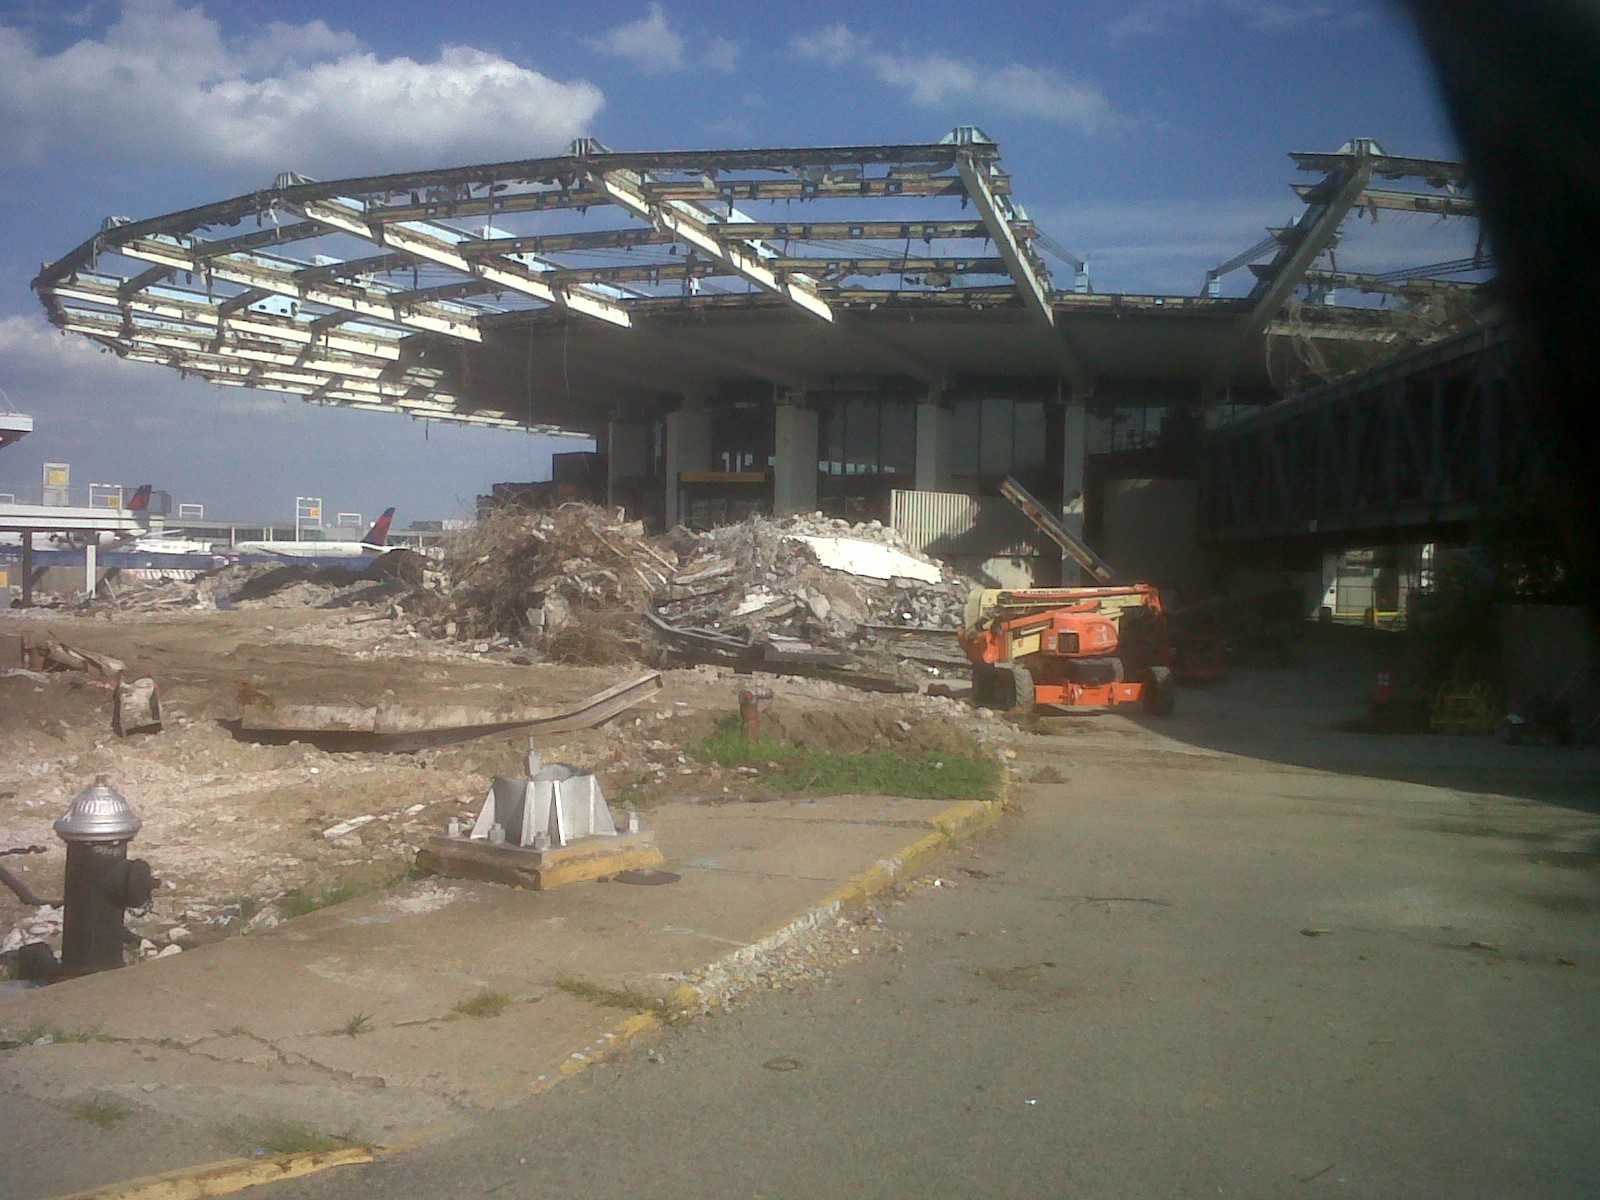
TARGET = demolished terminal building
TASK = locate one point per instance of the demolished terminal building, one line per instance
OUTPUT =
(779, 330)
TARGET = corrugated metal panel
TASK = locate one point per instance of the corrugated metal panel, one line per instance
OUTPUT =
(953, 524)
(980, 536)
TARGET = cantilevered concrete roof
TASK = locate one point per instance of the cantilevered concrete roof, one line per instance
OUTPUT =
(554, 293)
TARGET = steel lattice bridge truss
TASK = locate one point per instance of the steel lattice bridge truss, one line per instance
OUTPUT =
(422, 293)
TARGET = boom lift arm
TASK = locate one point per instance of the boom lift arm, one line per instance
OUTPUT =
(1056, 530)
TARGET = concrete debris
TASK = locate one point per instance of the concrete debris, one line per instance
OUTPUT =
(43, 926)
(344, 827)
(275, 585)
(572, 584)
(557, 579)
(797, 588)
(812, 578)
(394, 725)
(136, 707)
(869, 560)
(47, 654)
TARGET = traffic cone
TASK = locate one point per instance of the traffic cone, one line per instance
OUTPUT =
(1384, 692)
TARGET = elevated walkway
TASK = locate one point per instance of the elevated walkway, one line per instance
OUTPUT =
(13, 426)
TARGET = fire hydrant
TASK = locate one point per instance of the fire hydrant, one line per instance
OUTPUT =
(102, 880)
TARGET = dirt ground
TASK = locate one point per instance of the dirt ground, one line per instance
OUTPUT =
(234, 826)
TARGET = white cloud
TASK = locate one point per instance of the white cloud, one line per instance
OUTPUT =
(163, 85)
(650, 43)
(940, 81)
(1167, 246)
(722, 55)
(834, 45)
(655, 47)
(1147, 18)
(1160, 246)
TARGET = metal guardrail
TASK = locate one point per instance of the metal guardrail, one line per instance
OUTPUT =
(110, 496)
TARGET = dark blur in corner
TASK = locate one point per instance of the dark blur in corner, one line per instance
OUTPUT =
(1521, 83)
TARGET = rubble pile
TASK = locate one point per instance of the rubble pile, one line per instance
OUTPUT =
(269, 585)
(812, 578)
(580, 584)
(571, 581)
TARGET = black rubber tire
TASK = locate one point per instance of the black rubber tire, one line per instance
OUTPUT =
(1160, 692)
(1019, 688)
(985, 685)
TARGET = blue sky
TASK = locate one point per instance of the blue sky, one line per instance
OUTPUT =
(1148, 135)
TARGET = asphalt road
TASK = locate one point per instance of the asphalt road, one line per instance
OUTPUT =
(1178, 972)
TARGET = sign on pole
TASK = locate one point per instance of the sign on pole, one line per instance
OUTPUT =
(56, 478)
(307, 514)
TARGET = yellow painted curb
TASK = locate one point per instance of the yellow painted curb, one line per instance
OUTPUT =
(602, 1048)
(955, 825)
(224, 1177)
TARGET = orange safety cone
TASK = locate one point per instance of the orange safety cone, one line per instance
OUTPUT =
(1384, 692)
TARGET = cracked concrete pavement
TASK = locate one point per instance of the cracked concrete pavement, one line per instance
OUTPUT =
(349, 1021)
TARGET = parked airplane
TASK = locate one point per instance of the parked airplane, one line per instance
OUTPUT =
(372, 544)
(137, 503)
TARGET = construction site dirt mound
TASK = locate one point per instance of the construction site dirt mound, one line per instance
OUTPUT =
(242, 831)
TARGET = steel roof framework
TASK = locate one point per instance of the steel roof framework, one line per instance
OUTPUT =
(343, 287)
(362, 292)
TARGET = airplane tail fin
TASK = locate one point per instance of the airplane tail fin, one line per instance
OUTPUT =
(140, 500)
(378, 535)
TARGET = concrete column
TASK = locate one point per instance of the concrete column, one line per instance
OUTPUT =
(90, 553)
(688, 449)
(935, 424)
(794, 475)
(1074, 456)
(27, 569)
(1329, 598)
(611, 463)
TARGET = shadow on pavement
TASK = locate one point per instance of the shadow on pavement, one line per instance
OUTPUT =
(1288, 715)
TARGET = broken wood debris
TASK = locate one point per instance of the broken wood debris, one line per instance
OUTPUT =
(772, 656)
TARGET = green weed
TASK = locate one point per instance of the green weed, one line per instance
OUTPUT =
(607, 997)
(487, 1003)
(917, 774)
(104, 1111)
(285, 1137)
(301, 901)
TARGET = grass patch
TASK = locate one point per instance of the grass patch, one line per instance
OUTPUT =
(104, 1111)
(916, 774)
(595, 993)
(487, 1003)
(285, 1137)
(356, 1025)
(1048, 774)
(301, 901)
(61, 1037)
(65, 1037)
(640, 791)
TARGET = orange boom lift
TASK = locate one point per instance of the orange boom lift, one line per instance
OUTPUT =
(1076, 647)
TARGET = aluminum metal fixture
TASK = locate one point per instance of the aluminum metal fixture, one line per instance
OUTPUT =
(102, 881)
(750, 711)
(556, 804)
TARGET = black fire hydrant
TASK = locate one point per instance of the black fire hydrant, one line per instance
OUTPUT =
(101, 880)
